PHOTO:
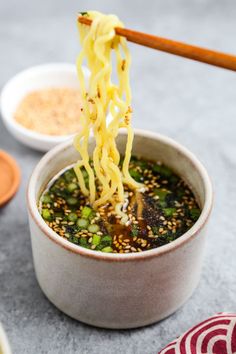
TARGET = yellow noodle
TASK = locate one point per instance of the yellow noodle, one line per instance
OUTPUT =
(100, 97)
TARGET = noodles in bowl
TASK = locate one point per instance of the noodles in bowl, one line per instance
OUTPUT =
(102, 96)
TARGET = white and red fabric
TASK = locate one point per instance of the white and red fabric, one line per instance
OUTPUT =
(216, 335)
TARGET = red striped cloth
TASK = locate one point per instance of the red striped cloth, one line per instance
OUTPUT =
(216, 335)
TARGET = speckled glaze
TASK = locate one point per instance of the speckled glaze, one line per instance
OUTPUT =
(120, 290)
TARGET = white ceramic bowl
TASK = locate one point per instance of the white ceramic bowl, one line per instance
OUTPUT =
(37, 77)
(120, 290)
(4, 344)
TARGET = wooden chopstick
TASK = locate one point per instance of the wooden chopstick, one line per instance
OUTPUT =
(226, 61)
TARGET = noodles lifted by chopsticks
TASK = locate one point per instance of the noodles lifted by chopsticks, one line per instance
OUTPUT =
(100, 97)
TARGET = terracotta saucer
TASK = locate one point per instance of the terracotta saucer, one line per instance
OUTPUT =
(9, 177)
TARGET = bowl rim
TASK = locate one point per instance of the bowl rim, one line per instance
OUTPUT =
(114, 257)
(8, 119)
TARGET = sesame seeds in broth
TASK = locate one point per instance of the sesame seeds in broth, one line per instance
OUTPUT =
(164, 211)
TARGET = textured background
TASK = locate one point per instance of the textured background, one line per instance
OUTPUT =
(191, 102)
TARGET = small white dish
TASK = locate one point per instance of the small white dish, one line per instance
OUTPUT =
(36, 77)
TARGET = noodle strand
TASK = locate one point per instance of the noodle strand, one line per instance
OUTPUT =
(101, 97)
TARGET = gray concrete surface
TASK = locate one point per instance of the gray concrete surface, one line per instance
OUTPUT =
(191, 102)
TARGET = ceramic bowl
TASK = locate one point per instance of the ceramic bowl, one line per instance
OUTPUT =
(120, 290)
(34, 78)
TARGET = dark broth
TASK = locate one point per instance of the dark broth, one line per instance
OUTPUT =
(161, 214)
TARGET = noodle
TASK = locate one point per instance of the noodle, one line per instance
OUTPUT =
(101, 97)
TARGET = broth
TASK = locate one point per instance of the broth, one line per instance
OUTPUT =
(159, 215)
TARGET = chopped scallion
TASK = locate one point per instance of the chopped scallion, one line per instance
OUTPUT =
(195, 213)
(135, 174)
(82, 223)
(72, 217)
(46, 214)
(96, 240)
(162, 170)
(47, 199)
(83, 242)
(72, 187)
(134, 230)
(107, 249)
(85, 212)
(69, 175)
(161, 194)
(93, 228)
(169, 211)
(72, 201)
(85, 173)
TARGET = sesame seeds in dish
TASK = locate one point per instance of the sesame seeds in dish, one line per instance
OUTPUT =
(50, 111)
